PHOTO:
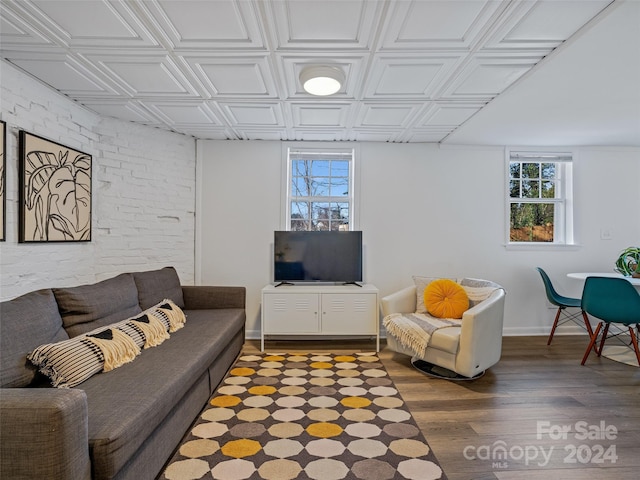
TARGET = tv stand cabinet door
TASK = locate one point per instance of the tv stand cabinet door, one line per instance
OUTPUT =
(349, 313)
(291, 313)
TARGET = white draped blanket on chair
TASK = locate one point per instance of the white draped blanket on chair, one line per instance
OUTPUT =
(414, 330)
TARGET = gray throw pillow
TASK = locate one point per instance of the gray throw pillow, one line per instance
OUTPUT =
(156, 285)
(87, 307)
(26, 322)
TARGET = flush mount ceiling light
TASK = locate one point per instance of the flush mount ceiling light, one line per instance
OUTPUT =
(321, 79)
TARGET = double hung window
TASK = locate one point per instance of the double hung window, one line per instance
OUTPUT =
(540, 197)
(320, 188)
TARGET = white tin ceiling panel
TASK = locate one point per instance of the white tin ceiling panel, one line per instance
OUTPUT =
(64, 74)
(248, 114)
(437, 25)
(328, 24)
(408, 76)
(374, 135)
(145, 76)
(124, 110)
(319, 134)
(258, 133)
(415, 70)
(182, 115)
(234, 76)
(319, 114)
(206, 25)
(484, 77)
(89, 23)
(386, 115)
(17, 31)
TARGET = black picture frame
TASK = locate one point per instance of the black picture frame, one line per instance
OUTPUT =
(55, 191)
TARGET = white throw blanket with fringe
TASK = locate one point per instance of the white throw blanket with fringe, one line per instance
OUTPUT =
(414, 330)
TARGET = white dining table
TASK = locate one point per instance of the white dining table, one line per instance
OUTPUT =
(583, 276)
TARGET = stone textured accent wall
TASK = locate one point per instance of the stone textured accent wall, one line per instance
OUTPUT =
(143, 193)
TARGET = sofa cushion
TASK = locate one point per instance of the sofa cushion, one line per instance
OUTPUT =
(88, 307)
(25, 323)
(127, 404)
(156, 285)
(446, 339)
(444, 298)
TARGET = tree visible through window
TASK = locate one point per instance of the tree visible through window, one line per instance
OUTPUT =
(320, 190)
(539, 197)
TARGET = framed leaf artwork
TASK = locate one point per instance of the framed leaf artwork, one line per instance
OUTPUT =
(55, 191)
(3, 181)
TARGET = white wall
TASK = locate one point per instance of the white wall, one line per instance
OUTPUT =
(143, 193)
(425, 210)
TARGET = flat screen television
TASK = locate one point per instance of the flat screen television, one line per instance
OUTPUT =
(318, 256)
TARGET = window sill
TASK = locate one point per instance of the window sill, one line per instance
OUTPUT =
(541, 246)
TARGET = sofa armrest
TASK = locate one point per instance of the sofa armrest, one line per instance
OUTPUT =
(402, 301)
(44, 433)
(481, 335)
(207, 297)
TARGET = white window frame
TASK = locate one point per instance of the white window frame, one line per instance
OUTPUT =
(313, 148)
(564, 231)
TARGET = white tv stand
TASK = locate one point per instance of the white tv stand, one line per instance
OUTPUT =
(320, 310)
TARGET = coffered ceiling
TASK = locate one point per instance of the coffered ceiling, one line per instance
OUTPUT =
(416, 71)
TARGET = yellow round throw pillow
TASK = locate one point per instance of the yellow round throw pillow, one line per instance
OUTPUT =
(445, 299)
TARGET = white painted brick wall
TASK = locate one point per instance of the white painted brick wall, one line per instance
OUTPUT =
(143, 193)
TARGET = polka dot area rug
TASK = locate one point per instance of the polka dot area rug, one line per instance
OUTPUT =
(305, 416)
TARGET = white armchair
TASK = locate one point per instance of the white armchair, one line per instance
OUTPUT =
(467, 348)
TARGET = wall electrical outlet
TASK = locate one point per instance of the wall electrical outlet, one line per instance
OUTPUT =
(605, 234)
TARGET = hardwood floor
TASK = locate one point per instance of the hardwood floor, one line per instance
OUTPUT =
(537, 414)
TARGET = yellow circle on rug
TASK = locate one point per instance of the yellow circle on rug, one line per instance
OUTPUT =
(297, 357)
(241, 448)
(262, 390)
(242, 372)
(345, 358)
(355, 402)
(321, 365)
(274, 358)
(324, 430)
(225, 401)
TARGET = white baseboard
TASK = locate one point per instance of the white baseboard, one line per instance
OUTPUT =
(507, 332)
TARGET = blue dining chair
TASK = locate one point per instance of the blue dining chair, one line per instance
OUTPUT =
(612, 301)
(563, 303)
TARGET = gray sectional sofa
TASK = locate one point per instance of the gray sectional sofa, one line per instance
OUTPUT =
(121, 424)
